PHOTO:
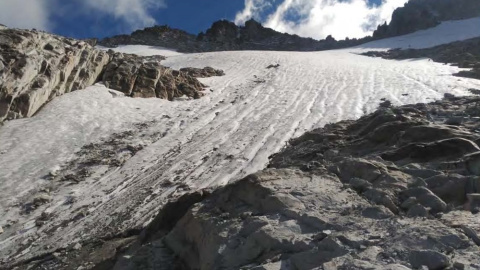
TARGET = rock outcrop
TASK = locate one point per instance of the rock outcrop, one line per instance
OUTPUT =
(464, 54)
(36, 67)
(422, 14)
(145, 77)
(396, 189)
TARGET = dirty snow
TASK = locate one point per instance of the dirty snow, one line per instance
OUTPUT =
(246, 115)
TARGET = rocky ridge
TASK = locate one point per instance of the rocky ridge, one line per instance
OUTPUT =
(422, 14)
(226, 36)
(36, 67)
(396, 189)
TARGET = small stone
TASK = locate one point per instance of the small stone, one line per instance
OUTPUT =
(359, 184)
(409, 203)
(42, 199)
(77, 246)
(459, 266)
(448, 96)
(417, 210)
(48, 47)
(1, 230)
(454, 121)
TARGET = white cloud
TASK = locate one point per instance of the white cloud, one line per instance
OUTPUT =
(37, 13)
(252, 9)
(320, 18)
(135, 13)
(25, 14)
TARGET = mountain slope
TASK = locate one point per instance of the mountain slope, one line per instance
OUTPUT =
(125, 158)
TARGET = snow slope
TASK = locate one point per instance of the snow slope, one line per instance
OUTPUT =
(247, 115)
(444, 33)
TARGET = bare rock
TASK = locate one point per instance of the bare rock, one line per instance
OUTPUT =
(39, 66)
(417, 210)
(431, 259)
(202, 72)
(426, 198)
(145, 77)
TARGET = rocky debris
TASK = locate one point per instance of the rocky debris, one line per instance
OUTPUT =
(203, 72)
(422, 14)
(35, 67)
(464, 54)
(97, 159)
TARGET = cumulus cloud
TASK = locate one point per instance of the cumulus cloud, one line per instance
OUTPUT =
(25, 14)
(135, 13)
(320, 18)
(252, 10)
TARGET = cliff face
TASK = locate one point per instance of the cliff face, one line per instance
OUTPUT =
(36, 67)
(422, 14)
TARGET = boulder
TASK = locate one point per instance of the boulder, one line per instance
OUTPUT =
(431, 259)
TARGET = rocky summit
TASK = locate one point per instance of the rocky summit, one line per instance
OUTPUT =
(226, 36)
(423, 14)
(36, 67)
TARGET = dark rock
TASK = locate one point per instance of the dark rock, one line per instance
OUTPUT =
(431, 259)
(417, 210)
(420, 14)
(202, 72)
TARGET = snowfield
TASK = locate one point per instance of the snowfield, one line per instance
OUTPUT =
(246, 115)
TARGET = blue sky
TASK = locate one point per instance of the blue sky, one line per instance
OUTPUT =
(100, 18)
